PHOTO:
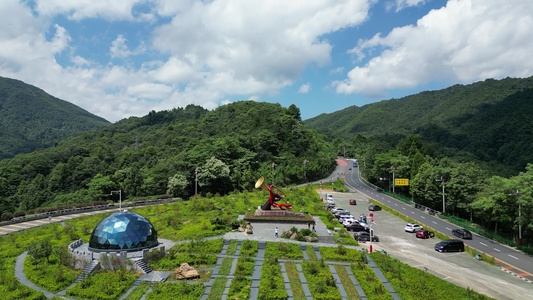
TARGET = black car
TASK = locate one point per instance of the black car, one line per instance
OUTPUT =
(462, 233)
(374, 207)
(357, 227)
(365, 236)
(450, 245)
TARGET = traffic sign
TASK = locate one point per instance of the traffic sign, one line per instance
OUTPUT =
(401, 181)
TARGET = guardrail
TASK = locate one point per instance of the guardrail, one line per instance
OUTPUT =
(71, 211)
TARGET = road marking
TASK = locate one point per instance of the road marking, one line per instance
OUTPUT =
(423, 217)
(18, 226)
(395, 204)
(413, 212)
(403, 208)
(512, 256)
(448, 228)
(434, 222)
(483, 244)
(497, 250)
(10, 229)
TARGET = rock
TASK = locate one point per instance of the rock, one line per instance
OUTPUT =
(249, 229)
(218, 208)
(287, 234)
(341, 240)
(241, 229)
(186, 272)
(311, 239)
(294, 236)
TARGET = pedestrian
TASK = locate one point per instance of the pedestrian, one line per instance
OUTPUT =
(276, 231)
(308, 225)
(314, 228)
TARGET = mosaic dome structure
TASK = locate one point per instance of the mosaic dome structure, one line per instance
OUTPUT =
(123, 231)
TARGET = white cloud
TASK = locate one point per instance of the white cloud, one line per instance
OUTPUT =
(304, 88)
(81, 9)
(336, 70)
(401, 4)
(467, 40)
(119, 47)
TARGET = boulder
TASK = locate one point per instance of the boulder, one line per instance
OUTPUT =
(287, 234)
(294, 236)
(311, 239)
(341, 240)
(249, 229)
(186, 272)
(241, 229)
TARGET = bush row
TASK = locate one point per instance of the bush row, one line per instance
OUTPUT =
(271, 285)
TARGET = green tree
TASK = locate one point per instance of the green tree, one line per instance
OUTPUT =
(177, 185)
(100, 187)
(40, 249)
(213, 176)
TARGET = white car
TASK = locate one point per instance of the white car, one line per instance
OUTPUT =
(348, 221)
(410, 227)
(329, 197)
(345, 217)
(336, 209)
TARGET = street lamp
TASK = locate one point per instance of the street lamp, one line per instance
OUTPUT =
(393, 183)
(443, 199)
(518, 194)
(388, 180)
(119, 198)
(196, 183)
(273, 165)
(305, 177)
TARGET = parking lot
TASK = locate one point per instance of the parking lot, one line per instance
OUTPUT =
(459, 268)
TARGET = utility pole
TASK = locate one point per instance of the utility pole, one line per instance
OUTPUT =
(119, 198)
(393, 181)
(196, 183)
(305, 177)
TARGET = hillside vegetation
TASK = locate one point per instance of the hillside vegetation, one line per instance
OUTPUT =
(231, 146)
(31, 119)
(487, 122)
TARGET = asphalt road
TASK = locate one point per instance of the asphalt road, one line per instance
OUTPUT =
(456, 267)
(504, 253)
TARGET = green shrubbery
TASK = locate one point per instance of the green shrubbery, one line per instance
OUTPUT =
(283, 250)
(103, 285)
(240, 287)
(249, 248)
(232, 247)
(320, 281)
(271, 285)
(340, 253)
(174, 260)
(139, 291)
(412, 283)
(201, 246)
(50, 275)
(180, 290)
(369, 282)
(217, 289)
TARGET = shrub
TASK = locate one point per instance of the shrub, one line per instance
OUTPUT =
(283, 250)
(320, 281)
(180, 290)
(271, 285)
(240, 287)
(340, 253)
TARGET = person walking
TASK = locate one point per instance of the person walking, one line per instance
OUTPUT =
(308, 225)
(276, 231)
(314, 228)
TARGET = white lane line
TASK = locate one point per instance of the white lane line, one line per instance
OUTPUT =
(512, 256)
(403, 208)
(448, 228)
(497, 249)
(413, 212)
(395, 204)
(423, 217)
(434, 222)
(483, 244)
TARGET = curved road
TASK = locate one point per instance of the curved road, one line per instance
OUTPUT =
(519, 263)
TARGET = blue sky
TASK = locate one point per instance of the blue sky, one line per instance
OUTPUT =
(125, 58)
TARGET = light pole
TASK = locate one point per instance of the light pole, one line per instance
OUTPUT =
(393, 183)
(388, 180)
(119, 198)
(305, 177)
(518, 194)
(273, 165)
(443, 199)
(196, 183)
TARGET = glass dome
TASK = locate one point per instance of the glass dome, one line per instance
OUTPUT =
(123, 231)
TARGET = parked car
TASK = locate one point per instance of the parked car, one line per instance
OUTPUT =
(336, 209)
(374, 207)
(341, 212)
(329, 197)
(424, 234)
(450, 245)
(353, 202)
(410, 227)
(357, 227)
(462, 233)
(364, 236)
(345, 217)
(348, 222)
(330, 205)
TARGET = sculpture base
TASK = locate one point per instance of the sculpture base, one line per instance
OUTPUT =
(279, 216)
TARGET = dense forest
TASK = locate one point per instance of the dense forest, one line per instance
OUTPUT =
(487, 122)
(31, 119)
(231, 146)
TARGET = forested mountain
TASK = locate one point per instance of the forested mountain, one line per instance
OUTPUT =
(489, 122)
(231, 146)
(31, 119)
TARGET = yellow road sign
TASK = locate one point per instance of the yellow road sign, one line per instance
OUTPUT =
(401, 181)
